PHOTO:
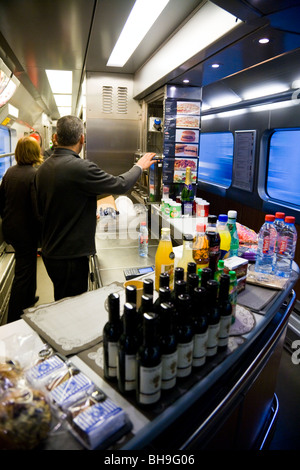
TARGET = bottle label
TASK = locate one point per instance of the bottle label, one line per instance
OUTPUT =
(169, 370)
(187, 208)
(225, 323)
(266, 245)
(150, 384)
(112, 358)
(130, 372)
(282, 245)
(212, 339)
(185, 358)
(199, 352)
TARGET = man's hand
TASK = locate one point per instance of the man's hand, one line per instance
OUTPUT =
(146, 160)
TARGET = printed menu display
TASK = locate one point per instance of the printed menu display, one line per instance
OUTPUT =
(181, 139)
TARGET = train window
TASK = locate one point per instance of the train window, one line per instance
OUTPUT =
(284, 166)
(4, 148)
(215, 158)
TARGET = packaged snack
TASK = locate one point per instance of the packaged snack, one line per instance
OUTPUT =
(71, 388)
(95, 420)
(44, 370)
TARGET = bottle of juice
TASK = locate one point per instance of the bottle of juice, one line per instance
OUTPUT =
(201, 247)
(187, 253)
(164, 258)
(225, 237)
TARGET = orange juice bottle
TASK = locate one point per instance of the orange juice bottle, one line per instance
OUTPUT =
(164, 258)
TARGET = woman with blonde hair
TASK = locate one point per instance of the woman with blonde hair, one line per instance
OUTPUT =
(19, 225)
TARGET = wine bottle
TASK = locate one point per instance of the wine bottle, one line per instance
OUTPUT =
(184, 336)
(164, 295)
(225, 309)
(148, 286)
(191, 268)
(206, 275)
(168, 343)
(200, 326)
(187, 195)
(149, 366)
(213, 317)
(192, 282)
(164, 279)
(130, 294)
(111, 333)
(179, 289)
(127, 349)
(146, 306)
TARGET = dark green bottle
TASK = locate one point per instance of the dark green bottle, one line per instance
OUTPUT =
(185, 336)
(149, 367)
(111, 335)
(127, 349)
(225, 309)
(168, 343)
(200, 326)
(213, 317)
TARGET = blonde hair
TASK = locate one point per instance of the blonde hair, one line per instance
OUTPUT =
(28, 151)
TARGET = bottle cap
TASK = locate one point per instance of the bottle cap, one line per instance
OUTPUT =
(188, 237)
(143, 223)
(223, 218)
(200, 227)
(212, 219)
(289, 219)
(269, 218)
(232, 214)
(279, 215)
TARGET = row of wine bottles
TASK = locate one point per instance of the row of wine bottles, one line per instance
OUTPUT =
(149, 349)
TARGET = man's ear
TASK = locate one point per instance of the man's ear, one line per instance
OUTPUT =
(82, 139)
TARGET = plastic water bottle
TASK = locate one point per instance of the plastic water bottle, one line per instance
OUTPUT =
(234, 244)
(266, 255)
(279, 220)
(286, 248)
(143, 240)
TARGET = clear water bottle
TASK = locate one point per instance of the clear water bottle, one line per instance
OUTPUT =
(267, 238)
(143, 240)
(234, 244)
(279, 220)
(286, 248)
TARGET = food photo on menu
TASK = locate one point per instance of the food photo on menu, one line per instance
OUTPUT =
(180, 165)
(188, 107)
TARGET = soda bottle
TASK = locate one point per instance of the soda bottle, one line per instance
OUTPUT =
(164, 258)
(225, 237)
(143, 240)
(267, 238)
(233, 293)
(225, 308)
(214, 241)
(234, 243)
(219, 271)
(286, 248)
(201, 247)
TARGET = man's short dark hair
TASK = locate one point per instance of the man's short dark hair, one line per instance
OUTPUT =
(69, 130)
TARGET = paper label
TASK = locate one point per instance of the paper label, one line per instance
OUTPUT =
(150, 384)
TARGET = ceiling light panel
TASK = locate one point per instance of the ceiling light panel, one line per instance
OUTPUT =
(60, 81)
(63, 100)
(142, 16)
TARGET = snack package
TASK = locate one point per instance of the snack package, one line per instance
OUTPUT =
(45, 370)
(96, 420)
(72, 386)
(25, 414)
(246, 235)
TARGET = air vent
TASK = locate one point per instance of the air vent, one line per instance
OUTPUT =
(107, 99)
(122, 100)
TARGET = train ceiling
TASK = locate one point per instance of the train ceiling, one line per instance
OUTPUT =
(79, 35)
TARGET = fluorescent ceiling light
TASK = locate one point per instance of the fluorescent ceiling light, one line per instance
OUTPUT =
(63, 100)
(65, 111)
(264, 40)
(223, 100)
(60, 81)
(270, 106)
(142, 16)
(266, 90)
(13, 111)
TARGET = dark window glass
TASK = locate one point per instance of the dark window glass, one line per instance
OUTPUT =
(283, 174)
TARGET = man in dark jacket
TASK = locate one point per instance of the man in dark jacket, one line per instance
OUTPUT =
(66, 189)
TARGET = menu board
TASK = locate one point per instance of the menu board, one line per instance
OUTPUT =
(243, 162)
(181, 139)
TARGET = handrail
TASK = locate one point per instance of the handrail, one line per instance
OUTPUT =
(7, 154)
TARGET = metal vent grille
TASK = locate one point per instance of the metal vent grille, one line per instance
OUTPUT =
(107, 99)
(122, 100)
